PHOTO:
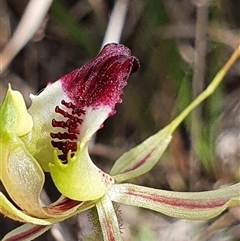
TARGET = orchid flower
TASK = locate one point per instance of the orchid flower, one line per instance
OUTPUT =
(53, 136)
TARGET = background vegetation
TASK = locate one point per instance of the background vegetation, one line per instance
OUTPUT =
(181, 45)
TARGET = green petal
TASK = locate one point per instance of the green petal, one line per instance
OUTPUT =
(21, 176)
(9, 210)
(108, 220)
(80, 179)
(26, 232)
(142, 158)
(59, 210)
(184, 205)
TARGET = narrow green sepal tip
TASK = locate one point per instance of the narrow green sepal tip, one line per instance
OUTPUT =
(14, 116)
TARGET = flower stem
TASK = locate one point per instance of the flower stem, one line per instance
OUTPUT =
(208, 91)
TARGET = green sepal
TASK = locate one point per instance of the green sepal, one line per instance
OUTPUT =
(13, 115)
(185, 205)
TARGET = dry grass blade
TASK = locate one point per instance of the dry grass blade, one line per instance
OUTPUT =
(198, 85)
(116, 22)
(32, 18)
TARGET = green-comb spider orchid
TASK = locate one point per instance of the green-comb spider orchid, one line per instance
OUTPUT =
(53, 135)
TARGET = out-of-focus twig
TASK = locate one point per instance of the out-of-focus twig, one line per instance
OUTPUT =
(116, 22)
(198, 84)
(99, 7)
(107, 152)
(228, 37)
(31, 20)
(4, 24)
(224, 221)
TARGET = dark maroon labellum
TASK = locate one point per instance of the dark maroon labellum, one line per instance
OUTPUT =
(101, 81)
(98, 83)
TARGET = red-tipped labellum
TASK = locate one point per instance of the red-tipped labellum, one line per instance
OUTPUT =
(98, 83)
